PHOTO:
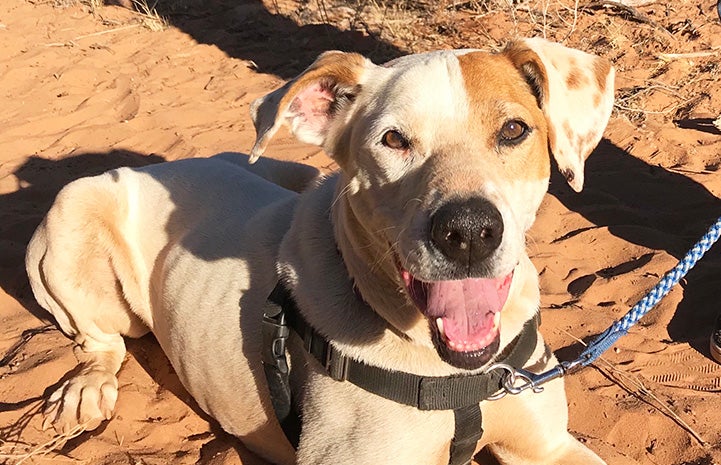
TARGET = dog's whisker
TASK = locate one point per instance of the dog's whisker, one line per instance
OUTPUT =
(341, 193)
(412, 251)
(414, 199)
(382, 258)
(388, 228)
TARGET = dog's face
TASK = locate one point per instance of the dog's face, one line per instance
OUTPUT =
(446, 159)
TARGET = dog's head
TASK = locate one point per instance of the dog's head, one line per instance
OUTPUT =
(445, 161)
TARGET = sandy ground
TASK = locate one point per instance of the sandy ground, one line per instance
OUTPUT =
(84, 91)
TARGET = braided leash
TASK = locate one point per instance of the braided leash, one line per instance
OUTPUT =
(620, 327)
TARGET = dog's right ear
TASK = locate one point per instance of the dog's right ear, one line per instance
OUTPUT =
(308, 103)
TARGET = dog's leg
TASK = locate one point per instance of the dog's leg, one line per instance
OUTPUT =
(78, 269)
(565, 450)
(532, 429)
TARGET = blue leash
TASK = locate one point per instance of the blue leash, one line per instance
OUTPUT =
(620, 327)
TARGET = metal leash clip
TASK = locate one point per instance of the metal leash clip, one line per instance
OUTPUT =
(516, 380)
(513, 381)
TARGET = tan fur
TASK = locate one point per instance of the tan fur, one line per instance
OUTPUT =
(575, 79)
(498, 75)
(174, 248)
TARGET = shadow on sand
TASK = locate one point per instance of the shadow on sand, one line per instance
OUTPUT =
(22, 211)
(248, 30)
(660, 209)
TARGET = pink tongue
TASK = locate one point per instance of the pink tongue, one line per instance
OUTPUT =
(467, 308)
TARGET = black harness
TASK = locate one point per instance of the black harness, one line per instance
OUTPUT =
(460, 393)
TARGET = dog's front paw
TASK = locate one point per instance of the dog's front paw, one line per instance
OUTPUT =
(82, 402)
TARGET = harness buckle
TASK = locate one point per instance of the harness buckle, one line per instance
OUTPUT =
(275, 337)
(336, 364)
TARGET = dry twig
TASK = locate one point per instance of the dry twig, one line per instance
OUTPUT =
(676, 56)
(41, 450)
(632, 12)
(94, 34)
(634, 386)
(26, 336)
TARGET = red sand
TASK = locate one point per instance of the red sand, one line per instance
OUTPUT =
(83, 93)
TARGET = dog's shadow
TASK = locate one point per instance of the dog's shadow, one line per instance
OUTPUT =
(39, 180)
(659, 209)
(274, 43)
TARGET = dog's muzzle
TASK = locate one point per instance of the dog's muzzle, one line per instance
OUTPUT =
(463, 302)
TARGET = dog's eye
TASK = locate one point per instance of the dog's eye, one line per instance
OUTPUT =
(395, 140)
(513, 132)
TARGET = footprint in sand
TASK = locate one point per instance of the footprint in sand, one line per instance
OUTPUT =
(679, 366)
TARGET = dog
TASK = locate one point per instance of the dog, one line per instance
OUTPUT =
(411, 259)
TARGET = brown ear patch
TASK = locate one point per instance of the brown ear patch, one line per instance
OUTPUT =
(568, 130)
(601, 70)
(568, 175)
(576, 79)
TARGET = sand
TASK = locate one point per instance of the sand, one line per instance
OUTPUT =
(83, 91)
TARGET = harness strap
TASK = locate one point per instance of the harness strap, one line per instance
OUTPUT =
(460, 393)
(422, 392)
(468, 432)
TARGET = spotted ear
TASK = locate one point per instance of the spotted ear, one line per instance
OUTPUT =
(309, 103)
(575, 91)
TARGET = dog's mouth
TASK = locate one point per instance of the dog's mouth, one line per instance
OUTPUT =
(464, 316)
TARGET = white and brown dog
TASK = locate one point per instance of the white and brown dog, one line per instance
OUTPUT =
(410, 259)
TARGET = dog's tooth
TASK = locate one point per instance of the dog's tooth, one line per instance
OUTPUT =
(496, 320)
(406, 276)
(439, 324)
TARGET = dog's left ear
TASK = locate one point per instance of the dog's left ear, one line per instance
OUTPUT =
(575, 91)
(308, 103)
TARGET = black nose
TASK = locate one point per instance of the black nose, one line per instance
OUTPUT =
(467, 231)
